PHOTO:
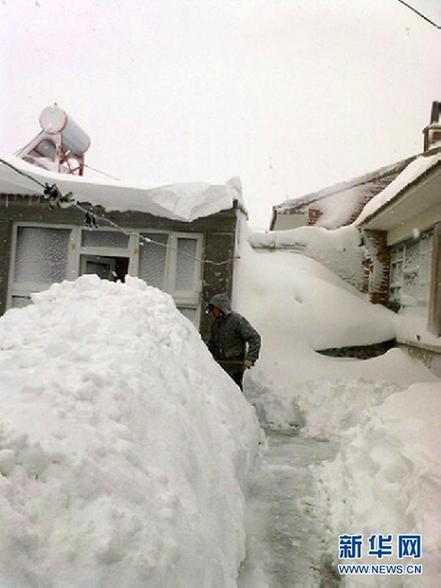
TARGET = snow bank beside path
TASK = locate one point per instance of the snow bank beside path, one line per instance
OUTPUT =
(386, 479)
(123, 446)
(330, 408)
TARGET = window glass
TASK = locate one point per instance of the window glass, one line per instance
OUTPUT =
(185, 264)
(104, 239)
(410, 274)
(412, 255)
(152, 259)
(41, 254)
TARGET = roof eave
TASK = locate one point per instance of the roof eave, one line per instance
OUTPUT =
(387, 205)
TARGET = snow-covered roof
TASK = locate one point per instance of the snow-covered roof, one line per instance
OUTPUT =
(184, 202)
(418, 168)
(340, 202)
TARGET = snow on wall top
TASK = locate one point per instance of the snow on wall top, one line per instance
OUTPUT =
(410, 174)
(340, 202)
(184, 202)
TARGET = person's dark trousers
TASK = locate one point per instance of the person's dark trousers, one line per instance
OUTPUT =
(238, 378)
(236, 375)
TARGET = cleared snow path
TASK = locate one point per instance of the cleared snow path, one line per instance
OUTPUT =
(284, 535)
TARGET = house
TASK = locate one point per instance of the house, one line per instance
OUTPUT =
(396, 211)
(337, 205)
(181, 239)
(401, 228)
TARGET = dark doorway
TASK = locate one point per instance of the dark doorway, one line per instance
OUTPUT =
(107, 268)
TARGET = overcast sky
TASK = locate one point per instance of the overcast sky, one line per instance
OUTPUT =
(290, 95)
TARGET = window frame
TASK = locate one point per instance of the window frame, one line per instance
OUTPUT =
(396, 287)
(25, 289)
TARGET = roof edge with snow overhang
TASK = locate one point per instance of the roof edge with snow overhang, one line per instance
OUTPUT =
(414, 173)
(184, 202)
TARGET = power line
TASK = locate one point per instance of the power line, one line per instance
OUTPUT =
(101, 172)
(419, 14)
(55, 198)
(22, 173)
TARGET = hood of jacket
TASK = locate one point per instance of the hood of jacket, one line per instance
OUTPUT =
(221, 301)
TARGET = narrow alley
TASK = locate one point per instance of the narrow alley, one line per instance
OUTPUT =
(284, 535)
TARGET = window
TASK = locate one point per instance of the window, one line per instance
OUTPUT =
(410, 273)
(41, 258)
(41, 255)
(185, 264)
(172, 262)
(152, 259)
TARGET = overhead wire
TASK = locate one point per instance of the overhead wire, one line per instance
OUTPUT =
(423, 16)
(101, 172)
(54, 196)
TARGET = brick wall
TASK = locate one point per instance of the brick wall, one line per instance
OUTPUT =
(313, 215)
(378, 265)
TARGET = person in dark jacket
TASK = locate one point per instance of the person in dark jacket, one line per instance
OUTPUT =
(234, 343)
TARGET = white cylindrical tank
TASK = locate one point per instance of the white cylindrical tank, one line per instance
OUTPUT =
(54, 120)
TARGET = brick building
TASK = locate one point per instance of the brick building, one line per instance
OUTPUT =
(402, 232)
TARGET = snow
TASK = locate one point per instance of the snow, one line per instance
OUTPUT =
(329, 407)
(386, 479)
(124, 448)
(382, 415)
(411, 327)
(337, 210)
(340, 239)
(339, 250)
(299, 306)
(184, 202)
(338, 203)
(411, 173)
(284, 529)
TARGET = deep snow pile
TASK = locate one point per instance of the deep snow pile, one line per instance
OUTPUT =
(123, 446)
(339, 250)
(386, 479)
(305, 303)
(386, 476)
(299, 306)
(329, 408)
